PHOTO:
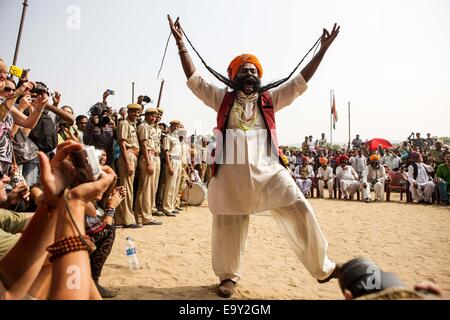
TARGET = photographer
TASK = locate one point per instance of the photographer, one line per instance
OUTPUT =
(59, 215)
(363, 279)
(10, 115)
(100, 131)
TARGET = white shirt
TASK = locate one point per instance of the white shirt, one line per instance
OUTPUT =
(312, 145)
(249, 187)
(422, 175)
(372, 174)
(358, 163)
(348, 174)
(326, 174)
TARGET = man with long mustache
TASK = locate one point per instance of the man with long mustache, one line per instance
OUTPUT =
(248, 180)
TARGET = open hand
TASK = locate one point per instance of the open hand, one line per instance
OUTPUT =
(57, 174)
(327, 39)
(176, 29)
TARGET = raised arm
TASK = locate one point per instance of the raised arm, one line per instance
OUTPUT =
(325, 42)
(186, 61)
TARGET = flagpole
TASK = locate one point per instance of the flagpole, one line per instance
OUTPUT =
(349, 125)
(331, 117)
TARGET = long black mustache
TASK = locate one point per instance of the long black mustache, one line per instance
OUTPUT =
(240, 82)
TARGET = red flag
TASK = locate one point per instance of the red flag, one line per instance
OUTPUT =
(334, 113)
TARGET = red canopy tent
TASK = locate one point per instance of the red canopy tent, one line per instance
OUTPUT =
(374, 143)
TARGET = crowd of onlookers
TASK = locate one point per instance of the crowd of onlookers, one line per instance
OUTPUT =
(151, 169)
(148, 169)
(421, 164)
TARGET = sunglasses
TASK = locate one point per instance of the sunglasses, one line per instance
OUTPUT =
(8, 89)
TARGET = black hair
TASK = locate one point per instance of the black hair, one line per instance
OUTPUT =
(80, 117)
(232, 84)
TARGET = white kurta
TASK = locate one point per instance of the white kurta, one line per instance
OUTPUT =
(229, 192)
(255, 184)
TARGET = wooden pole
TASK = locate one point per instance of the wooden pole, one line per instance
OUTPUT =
(160, 93)
(19, 36)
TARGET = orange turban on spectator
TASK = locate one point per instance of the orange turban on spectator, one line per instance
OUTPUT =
(323, 160)
(374, 157)
(237, 63)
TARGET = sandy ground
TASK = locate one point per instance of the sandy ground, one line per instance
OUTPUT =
(409, 239)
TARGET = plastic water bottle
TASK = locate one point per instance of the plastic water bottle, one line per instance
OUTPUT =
(130, 251)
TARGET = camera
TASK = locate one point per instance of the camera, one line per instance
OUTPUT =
(39, 88)
(362, 276)
(111, 92)
(146, 99)
(87, 164)
(16, 180)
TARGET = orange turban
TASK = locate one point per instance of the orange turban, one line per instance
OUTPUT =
(323, 160)
(374, 157)
(237, 63)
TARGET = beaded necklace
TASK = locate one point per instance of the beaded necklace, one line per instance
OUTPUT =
(238, 110)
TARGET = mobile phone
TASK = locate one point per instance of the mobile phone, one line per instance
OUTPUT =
(87, 164)
(18, 72)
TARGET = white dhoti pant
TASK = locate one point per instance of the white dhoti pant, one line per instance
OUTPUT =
(304, 185)
(297, 222)
(423, 192)
(377, 187)
(330, 184)
(349, 187)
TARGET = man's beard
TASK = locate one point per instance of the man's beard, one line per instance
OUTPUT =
(241, 82)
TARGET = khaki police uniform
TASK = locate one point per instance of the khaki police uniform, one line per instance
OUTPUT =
(156, 134)
(146, 190)
(127, 131)
(173, 147)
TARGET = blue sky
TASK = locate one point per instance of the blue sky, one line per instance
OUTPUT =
(390, 60)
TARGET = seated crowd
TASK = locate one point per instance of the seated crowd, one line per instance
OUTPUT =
(423, 165)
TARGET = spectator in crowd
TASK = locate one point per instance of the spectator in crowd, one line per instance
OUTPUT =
(305, 145)
(100, 128)
(357, 142)
(20, 267)
(418, 143)
(437, 154)
(374, 177)
(347, 177)
(391, 159)
(422, 185)
(322, 142)
(430, 140)
(10, 115)
(443, 179)
(359, 162)
(325, 175)
(311, 145)
(81, 121)
(65, 129)
(405, 150)
(303, 175)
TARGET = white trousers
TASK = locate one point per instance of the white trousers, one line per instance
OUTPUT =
(377, 187)
(297, 222)
(349, 187)
(423, 192)
(304, 185)
(330, 184)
